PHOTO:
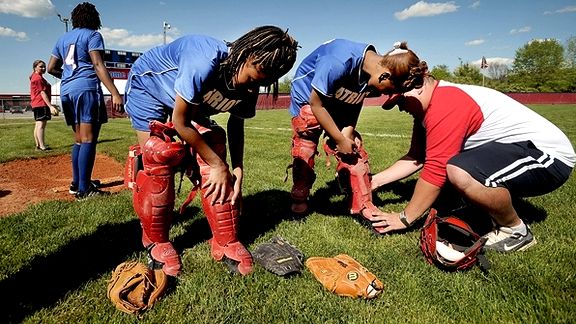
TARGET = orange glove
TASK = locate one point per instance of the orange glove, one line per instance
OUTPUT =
(344, 276)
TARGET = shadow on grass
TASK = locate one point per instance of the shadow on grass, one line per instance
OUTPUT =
(47, 279)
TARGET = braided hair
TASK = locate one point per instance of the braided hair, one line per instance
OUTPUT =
(407, 70)
(85, 15)
(269, 47)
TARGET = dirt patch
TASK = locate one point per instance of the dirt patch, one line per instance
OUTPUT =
(27, 182)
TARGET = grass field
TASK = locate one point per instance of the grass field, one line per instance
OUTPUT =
(56, 257)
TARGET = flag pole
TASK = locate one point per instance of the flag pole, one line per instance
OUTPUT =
(483, 65)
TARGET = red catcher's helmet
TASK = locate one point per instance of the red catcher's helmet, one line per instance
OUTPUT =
(450, 244)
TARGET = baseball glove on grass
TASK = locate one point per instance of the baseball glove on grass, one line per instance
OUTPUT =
(135, 288)
(279, 257)
(344, 276)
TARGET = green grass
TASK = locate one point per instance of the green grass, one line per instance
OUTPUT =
(56, 257)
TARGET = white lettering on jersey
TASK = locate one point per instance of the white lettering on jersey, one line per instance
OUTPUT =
(217, 101)
(349, 97)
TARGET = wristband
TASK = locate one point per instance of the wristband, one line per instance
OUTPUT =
(403, 219)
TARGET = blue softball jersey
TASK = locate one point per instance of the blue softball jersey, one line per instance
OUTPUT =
(73, 49)
(190, 68)
(334, 70)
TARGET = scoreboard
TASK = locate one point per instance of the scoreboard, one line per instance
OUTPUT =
(119, 63)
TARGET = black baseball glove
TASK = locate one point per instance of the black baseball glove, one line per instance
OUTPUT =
(279, 257)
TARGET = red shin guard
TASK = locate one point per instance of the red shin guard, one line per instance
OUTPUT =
(153, 198)
(223, 217)
(354, 175)
(304, 149)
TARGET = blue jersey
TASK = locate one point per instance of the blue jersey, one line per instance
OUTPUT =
(190, 67)
(334, 70)
(73, 49)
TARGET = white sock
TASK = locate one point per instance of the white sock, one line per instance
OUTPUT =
(520, 228)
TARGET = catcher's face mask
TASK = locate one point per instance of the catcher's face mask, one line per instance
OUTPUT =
(450, 244)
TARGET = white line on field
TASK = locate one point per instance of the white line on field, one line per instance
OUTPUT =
(363, 134)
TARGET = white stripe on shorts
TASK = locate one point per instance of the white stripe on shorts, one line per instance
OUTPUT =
(517, 168)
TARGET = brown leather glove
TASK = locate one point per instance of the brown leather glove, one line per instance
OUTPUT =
(135, 288)
(344, 276)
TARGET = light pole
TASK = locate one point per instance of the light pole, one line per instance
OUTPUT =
(64, 20)
(165, 26)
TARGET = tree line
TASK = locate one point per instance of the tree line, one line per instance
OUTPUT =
(539, 66)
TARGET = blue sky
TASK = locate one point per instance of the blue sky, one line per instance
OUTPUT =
(440, 32)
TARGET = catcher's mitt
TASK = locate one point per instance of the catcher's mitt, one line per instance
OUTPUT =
(344, 276)
(134, 287)
(279, 257)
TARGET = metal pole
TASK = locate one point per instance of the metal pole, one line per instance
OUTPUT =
(165, 27)
(64, 20)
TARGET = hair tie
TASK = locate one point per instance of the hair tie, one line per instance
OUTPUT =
(397, 49)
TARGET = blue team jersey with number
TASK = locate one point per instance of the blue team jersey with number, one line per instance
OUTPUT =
(190, 68)
(73, 49)
(334, 70)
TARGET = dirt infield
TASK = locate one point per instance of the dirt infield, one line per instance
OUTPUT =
(27, 182)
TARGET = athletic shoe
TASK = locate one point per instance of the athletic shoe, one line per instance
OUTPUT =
(74, 188)
(91, 193)
(504, 239)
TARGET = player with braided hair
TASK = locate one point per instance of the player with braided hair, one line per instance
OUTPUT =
(326, 96)
(187, 81)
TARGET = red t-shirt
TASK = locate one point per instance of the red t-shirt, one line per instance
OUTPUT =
(37, 85)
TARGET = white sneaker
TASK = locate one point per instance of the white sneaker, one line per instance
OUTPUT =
(504, 239)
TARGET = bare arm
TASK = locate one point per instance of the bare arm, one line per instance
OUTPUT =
(220, 177)
(401, 169)
(422, 199)
(55, 67)
(104, 76)
(406, 165)
(47, 101)
(344, 144)
(236, 143)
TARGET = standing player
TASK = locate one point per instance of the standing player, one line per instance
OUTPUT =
(77, 60)
(327, 95)
(189, 80)
(488, 146)
(40, 100)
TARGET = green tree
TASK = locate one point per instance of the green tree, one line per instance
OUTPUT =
(468, 74)
(284, 85)
(537, 65)
(571, 52)
(441, 72)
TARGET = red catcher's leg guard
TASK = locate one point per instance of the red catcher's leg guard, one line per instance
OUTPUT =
(153, 199)
(223, 217)
(305, 136)
(354, 173)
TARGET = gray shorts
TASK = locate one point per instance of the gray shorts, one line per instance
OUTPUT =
(520, 167)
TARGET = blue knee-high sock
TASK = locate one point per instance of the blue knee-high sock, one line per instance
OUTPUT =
(86, 158)
(75, 153)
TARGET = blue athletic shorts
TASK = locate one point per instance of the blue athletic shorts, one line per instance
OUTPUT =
(520, 167)
(142, 108)
(86, 107)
